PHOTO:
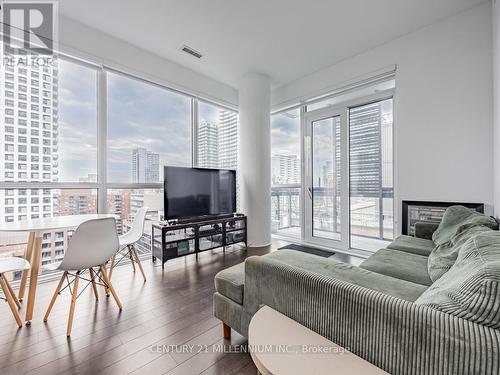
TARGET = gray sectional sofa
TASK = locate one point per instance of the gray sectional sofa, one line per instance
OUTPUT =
(428, 304)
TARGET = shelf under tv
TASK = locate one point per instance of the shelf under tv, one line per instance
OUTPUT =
(174, 240)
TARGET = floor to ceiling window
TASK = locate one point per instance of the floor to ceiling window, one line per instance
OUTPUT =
(286, 173)
(94, 152)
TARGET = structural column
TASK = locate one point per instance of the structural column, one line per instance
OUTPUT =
(255, 156)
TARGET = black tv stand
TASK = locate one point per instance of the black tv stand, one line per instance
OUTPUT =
(173, 240)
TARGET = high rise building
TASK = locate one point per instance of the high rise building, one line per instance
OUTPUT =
(328, 175)
(29, 131)
(285, 169)
(119, 203)
(208, 144)
(75, 202)
(145, 166)
(218, 141)
(228, 139)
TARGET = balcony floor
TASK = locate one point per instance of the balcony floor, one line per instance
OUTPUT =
(174, 307)
(357, 242)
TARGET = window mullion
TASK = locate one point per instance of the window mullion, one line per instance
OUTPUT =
(194, 132)
(102, 142)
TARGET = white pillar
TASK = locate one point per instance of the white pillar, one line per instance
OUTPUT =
(255, 156)
(496, 107)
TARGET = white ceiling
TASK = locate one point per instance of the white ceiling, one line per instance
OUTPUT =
(286, 39)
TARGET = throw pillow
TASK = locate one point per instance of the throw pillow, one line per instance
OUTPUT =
(471, 288)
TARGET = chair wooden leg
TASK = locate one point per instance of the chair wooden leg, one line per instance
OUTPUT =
(72, 306)
(131, 257)
(94, 285)
(138, 261)
(110, 286)
(13, 294)
(54, 297)
(10, 301)
(36, 260)
(110, 273)
(227, 331)
(112, 266)
(28, 254)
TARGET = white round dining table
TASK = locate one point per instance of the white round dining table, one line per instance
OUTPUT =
(33, 253)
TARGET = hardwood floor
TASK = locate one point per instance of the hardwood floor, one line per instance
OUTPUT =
(174, 307)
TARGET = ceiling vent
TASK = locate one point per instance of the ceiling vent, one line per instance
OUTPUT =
(191, 51)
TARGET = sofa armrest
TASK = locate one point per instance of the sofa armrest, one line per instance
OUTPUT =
(395, 335)
(425, 230)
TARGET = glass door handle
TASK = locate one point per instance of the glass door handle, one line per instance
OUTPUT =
(309, 191)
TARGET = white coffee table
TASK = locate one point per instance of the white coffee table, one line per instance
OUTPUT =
(277, 347)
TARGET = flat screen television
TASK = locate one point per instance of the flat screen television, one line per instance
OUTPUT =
(198, 192)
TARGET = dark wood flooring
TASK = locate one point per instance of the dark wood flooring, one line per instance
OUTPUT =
(174, 307)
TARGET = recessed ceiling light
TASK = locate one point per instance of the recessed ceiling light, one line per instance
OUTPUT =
(191, 51)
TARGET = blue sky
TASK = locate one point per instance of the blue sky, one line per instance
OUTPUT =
(285, 133)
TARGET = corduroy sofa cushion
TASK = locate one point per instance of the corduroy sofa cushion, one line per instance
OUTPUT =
(412, 245)
(471, 288)
(399, 264)
(231, 282)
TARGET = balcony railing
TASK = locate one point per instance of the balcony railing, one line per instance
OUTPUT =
(285, 209)
(370, 217)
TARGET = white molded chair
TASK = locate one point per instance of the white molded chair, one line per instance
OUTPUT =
(127, 241)
(12, 264)
(91, 246)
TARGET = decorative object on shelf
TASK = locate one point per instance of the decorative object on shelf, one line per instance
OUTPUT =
(172, 240)
(415, 211)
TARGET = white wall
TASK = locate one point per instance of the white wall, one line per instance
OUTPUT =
(443, 105)
(80, 40)
(496, 106)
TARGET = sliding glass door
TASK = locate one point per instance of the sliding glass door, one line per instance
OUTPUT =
(348, 181)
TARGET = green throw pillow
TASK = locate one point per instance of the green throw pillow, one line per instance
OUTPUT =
(443, 256)
(471, 288)
(458, 218)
